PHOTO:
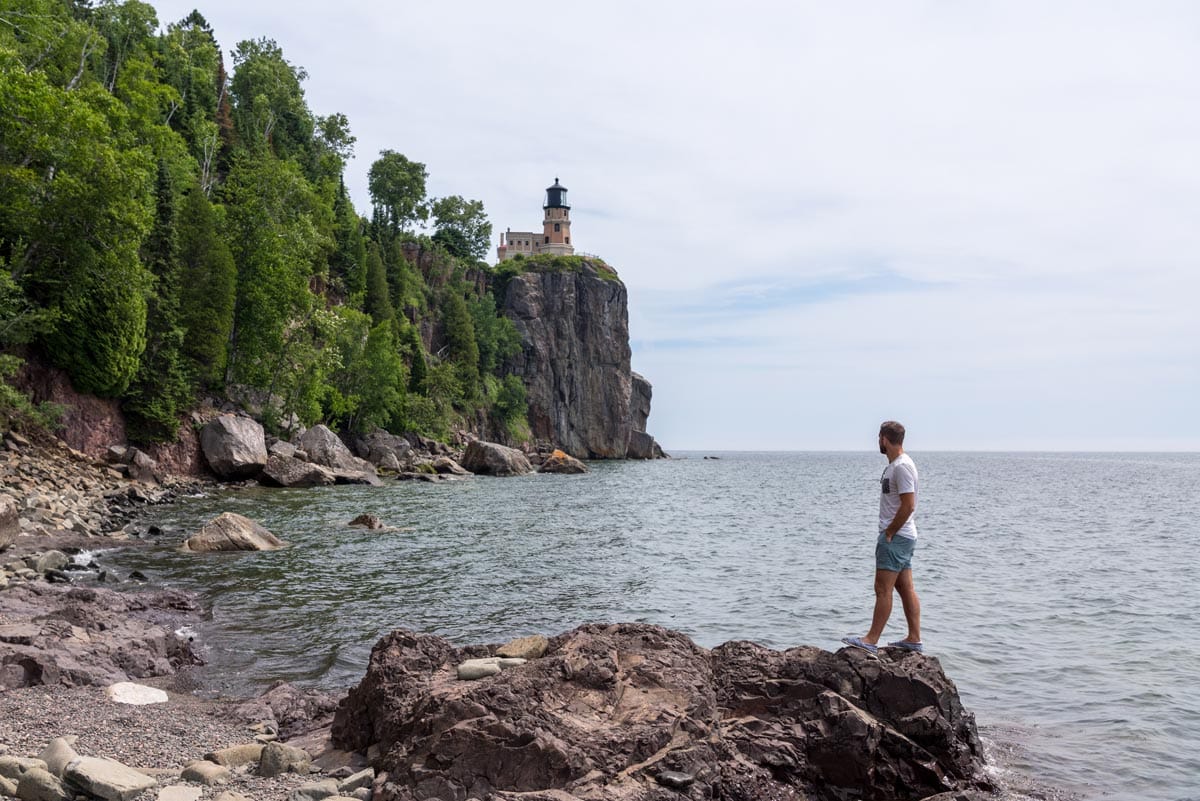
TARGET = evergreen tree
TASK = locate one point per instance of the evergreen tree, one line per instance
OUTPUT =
(461, 347)
(207, 284)
(161, 389)
(378, 302)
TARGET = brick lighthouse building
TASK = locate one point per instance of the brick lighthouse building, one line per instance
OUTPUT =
(556, 230)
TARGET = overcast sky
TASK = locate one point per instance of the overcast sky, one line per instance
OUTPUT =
(979, 218)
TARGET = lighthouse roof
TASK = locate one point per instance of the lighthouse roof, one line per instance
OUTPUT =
(557, 185)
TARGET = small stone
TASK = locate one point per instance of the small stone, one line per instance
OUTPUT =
(368, 521)
(525, 647)
(674, 779)
(13, 767)
(316, 791)
(204, 772)
(126, 692)
(363, 778)
(474, 669)
(278, 758)
(36, 784)
(236, 755)
(57, 754)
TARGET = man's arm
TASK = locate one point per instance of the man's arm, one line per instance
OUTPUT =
(908, 505)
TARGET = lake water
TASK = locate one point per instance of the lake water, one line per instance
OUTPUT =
(1057, 589)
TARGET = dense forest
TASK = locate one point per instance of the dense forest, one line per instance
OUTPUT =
(174, 226)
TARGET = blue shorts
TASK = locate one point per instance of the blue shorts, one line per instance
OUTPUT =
(895, 555)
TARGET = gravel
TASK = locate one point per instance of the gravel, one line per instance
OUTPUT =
(159, 739)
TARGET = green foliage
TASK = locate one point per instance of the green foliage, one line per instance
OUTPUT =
(462, 350)
(17, 411)
(208, 285)
(244, 269)
(161, 390)
(496, 337)
(378, 301)
(397, 188)
(462, 227)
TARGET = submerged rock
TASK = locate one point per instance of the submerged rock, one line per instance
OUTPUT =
(625, 711)
(288, 471)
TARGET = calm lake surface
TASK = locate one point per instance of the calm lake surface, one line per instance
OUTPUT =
(1058, 589)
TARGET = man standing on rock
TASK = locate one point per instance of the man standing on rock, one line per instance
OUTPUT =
(894, 548)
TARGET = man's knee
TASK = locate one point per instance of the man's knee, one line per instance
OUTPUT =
(885, 582)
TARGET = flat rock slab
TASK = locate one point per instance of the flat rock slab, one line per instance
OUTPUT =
(126, 692)
(180, 792)
(107, 778)
(207, 773)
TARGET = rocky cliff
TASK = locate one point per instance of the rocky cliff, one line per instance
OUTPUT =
(583, 397)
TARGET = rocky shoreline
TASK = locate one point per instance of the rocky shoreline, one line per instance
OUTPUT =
(619, 712)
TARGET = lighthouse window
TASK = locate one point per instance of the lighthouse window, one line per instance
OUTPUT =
(557, 228)
(547, 240)
(568, 240)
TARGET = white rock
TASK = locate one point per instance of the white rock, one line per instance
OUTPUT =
(180, 792)
(126, 692)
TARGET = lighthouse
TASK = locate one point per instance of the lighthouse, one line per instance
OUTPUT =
(556, 230)
(556, 226)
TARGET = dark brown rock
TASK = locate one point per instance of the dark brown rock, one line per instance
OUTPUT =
(574, 358)
(367, 521)
(84, 636)
(634, 711)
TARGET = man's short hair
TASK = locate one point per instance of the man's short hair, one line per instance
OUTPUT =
(892, 431)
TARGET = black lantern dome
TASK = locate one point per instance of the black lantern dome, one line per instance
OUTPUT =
(556, 196)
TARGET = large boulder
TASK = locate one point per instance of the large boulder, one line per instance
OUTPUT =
(10, 522)
(325, 448)
(560, 462)
(643, 446)
(383, 449)
(636, 712)
(235, 447)
(232, 532)
(490, 459)
(288, 471)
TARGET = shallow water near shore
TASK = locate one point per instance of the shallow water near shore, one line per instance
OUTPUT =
(1053, 585)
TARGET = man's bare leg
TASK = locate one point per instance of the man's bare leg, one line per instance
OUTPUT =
(885, 583)
(912, 604)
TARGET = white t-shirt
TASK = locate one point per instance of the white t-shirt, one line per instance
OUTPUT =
(899, 477)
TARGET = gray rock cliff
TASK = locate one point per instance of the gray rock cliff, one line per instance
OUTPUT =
(574, 359)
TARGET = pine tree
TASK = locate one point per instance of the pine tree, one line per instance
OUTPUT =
(208, 279)
(378, 302)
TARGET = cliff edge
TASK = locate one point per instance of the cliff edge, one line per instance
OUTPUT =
(583, 397)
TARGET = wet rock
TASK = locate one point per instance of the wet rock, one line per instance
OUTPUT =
(626, 711)
(643, 446)
(288, 471)
(232, 532)
(367, 521)
(47, 560)
(489, 458)
(234, 447)
(561, 462)
(369, 478)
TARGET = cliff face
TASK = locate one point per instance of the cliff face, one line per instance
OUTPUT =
(574, 360)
